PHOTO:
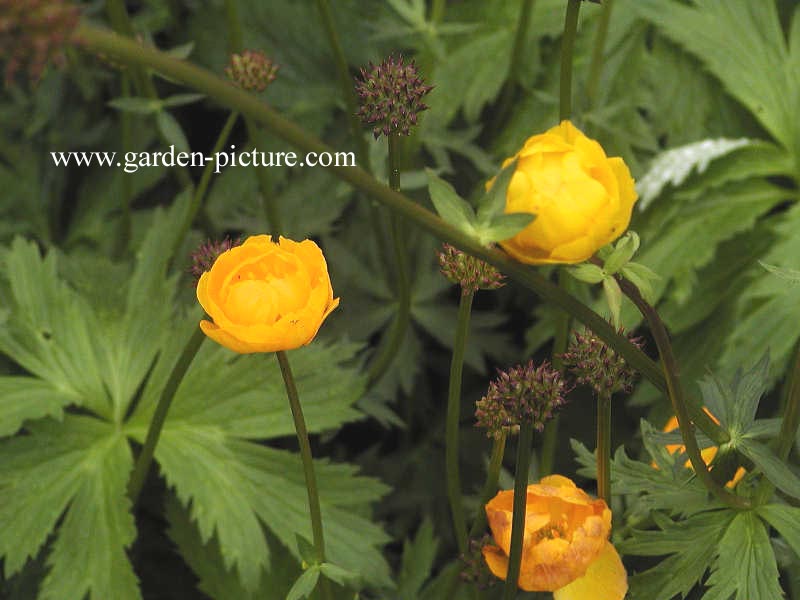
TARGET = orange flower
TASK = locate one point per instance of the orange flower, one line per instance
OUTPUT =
(708, 454)
(264, 296)
(565, 546)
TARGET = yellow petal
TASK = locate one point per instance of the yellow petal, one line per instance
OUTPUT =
(605, 579)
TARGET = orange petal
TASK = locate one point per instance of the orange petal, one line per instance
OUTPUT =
(605, 579)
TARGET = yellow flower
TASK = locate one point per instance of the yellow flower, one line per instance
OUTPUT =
(708, 454)
(264, 296)
(581, 198)
(565, 548)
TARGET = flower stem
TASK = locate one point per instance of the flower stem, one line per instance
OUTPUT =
(567, 47)
(308, 464)
(205, 180)
(517, 50)
(490, 486)
(145, 457)
(126, 51)
(524, 444)
(675, 393)
(603, 456)
(397, 334)
(125, 182)
(453, 419)
(596, 66)
(345, 81)
(437, 11)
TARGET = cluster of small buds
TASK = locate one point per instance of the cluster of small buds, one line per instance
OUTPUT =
(475, 570)
(33, 33)
(523, 394)
(203, 258)
(595, 364)
(391, 96)
(251, 70)
(471, 273)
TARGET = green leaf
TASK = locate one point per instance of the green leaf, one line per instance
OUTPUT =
(692, 544)
(79, 470)
(25, 398)
(450, 206)
(735, 403)
(613, 295)
(181, 100)
(139, 106)
(172, 131)
(50, 330)
(642, 278)
(623, 251)
(790, 275)
(418, 558)
(745, 567)
(587, 272)
(305, 584)
(774, 469)
(341, 576)
(743, 45)
(502, 227)
(786, 521)
(306, 550)
(493, 202)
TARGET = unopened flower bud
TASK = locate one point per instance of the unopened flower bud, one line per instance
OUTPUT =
(523, 394)
(251, 70)
(34, 33)
(471, 273)
(597, 365)
(391, 96)
(207, 253)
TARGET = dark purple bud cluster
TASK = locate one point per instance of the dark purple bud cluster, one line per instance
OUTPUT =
(475, 570)
(34, 33)
(203, 258)
(523, 394)
(391, 96)
(471, 273)
(598, 366)
(251, 70)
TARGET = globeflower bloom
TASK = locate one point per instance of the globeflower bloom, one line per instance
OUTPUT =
(565, 546)
(265, 296)
(582, 199)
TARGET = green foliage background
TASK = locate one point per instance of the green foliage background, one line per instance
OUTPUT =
(91, 323)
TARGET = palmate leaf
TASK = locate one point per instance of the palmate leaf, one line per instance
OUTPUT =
(742, 43)
(79, 466)
(234, 485)
(692, 546)
(745, 567)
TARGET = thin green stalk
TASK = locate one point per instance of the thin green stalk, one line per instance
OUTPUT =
(308, 464)
(437, 11)
(524, 444)
(598, 53)
(236, 44)
(567, 47)
(453, 420)
(675, 393)
(517, 51)
(345, 81)
(125, 182)
(603, 456)
(490, 486)
(394, 340)
(145, 457)
(125, 51)
(205, 179)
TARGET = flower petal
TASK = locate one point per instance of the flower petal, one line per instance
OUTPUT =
(605, 579)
